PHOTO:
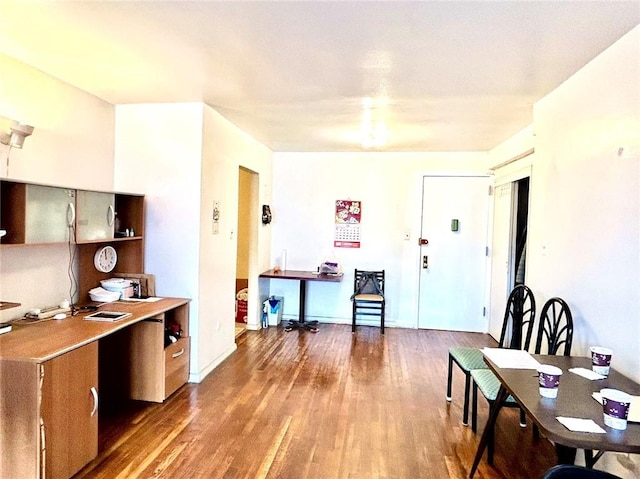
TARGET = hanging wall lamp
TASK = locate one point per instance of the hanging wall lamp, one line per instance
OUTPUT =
(15, 133)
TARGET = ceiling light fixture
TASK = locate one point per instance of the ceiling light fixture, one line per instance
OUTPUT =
(373, 131)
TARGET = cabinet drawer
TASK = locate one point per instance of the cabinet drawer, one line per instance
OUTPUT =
(176, 365)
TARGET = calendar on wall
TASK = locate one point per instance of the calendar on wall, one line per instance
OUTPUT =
(347, 233)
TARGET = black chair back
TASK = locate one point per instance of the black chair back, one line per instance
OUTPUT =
(358, 276)
(555, 328)
(519, 317)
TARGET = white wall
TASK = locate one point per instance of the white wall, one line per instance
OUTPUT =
(226, 149)
(183, 157)
(72, 145)
(585, 202)
(306, 186)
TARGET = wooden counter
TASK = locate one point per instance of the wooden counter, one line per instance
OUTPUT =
(46, 339)
(54, 373)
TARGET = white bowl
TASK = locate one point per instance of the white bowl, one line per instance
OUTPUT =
(103, 296)
(115, 284)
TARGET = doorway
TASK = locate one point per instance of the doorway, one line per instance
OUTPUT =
(453, 261)
(509, 245)
(246, 240)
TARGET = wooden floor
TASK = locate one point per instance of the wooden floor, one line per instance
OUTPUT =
(328, 405)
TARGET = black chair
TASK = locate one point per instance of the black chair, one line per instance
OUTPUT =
(555, 331)
(555, 328)
(519, 311)
(564, 471)
(368, 296)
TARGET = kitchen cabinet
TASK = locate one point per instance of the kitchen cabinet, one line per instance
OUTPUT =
(69, 411)
(96, 214)
(49, 425)
(41, 214)
(33, 214)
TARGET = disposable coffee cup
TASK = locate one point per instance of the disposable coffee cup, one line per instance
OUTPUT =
(615, 408)
(549, 379)
(601, 360)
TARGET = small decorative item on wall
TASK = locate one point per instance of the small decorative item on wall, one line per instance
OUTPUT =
(347, 219)
(266, 214)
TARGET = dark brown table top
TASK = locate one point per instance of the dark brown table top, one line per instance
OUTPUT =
(302, 275)
(574, 400)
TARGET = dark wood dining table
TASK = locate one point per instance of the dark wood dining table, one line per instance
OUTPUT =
(574, 400)
(302, 277)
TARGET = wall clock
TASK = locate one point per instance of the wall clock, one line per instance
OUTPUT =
(105, 259)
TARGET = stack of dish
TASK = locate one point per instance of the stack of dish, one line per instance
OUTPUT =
(118, 285)
(103, 296)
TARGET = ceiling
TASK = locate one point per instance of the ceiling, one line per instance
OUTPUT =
(323, 76)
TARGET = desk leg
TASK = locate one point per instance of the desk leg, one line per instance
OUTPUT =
(301, 323)
(489, 428)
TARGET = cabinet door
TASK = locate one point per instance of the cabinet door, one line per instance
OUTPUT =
(95, 215)
(49, 211)
(70, 411)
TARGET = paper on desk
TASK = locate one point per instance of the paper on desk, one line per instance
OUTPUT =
(580, 425)
(150, 299)
(634, 407)
(587, 373)
(511, 358)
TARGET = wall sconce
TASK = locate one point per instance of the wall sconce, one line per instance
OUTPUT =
(15, 133)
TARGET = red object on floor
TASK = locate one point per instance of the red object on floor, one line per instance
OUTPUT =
(241, 311)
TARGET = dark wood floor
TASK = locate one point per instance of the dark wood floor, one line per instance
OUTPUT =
(329, 405)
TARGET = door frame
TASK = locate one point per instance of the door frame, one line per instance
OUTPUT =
(253, 219)
(510, 178)
(487, 267)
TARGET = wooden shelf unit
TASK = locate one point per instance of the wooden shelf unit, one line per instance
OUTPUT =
(129, 209)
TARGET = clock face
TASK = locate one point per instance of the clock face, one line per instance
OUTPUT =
(105, 259)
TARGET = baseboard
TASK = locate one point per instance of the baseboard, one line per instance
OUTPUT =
(198, 377)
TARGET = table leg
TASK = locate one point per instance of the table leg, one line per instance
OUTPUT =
(566, 454)
(489, 428)
(303, 293)
(301, 323)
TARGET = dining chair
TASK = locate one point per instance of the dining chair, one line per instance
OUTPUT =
(566, 471)
(520, 310)
(368, 296)
(555, 332)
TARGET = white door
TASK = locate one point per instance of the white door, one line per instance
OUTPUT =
(500, 256)
(453, 263)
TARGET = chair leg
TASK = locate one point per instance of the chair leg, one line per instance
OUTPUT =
(449, 378)
(523, 418)
(474, 408)
(353, 317)
(382, 319)
(467, 390)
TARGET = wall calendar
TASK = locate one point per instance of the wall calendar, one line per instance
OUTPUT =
(347, 224)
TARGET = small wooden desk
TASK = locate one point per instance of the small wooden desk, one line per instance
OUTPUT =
(51, 372)
(303, 277)
(574, 400)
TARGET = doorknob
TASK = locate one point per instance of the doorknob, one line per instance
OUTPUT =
(425, 262)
